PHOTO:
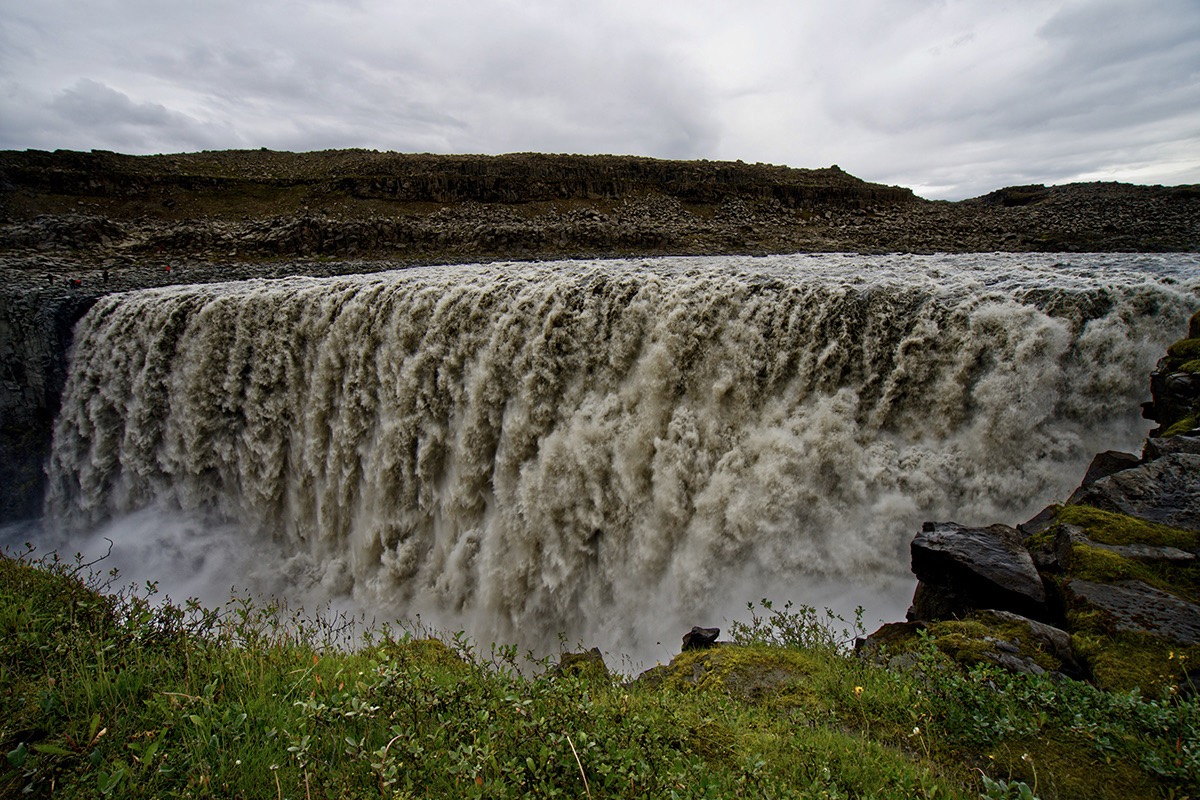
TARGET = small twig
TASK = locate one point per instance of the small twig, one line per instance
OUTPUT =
(82, 567)
(580, 763)
(383, 760)
(278, 788)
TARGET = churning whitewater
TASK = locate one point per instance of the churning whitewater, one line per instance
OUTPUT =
(611, 450)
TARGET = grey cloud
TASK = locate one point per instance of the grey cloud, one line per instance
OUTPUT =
(954, 95)
(93, 111)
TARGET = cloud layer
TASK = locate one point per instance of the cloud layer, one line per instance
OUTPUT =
(952, 98)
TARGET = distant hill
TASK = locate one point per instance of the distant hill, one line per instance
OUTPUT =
(338, 203)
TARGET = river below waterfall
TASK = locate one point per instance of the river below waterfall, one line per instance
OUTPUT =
(603, 451)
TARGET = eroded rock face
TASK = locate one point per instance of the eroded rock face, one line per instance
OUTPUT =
(1136, 607)
(1162, 491)
(974, 568)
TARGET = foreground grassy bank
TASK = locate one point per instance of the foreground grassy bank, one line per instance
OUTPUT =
(113, 693)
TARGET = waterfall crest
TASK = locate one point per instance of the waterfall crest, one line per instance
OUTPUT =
(578, 447)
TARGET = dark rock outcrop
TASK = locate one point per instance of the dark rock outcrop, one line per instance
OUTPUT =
(1157, 447)
(700, 638)
(963, 569)
(35, 336)
(1069, 536)
(354, 202)
(1163, 490)
(1135, 607)
(1107, 463)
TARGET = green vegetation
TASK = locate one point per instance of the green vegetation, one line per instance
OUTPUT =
(1185, 349)
(1182, 426)
(1183, 356)
(107, 693)
(1109, 527)
(1116, 659)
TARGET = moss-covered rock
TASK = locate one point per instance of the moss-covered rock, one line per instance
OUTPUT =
(751, 673)
(999, 638)
(1185, 348)
(588, 665)
(1183, 426)
(1108, 527)
(1123, 647)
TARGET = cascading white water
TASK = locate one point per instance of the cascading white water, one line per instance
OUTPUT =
(611, 450)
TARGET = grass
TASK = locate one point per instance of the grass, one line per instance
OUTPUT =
(114, 693)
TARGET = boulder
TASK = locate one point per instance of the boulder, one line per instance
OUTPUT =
(1047, 638)
(1137, 607)
(1038, 522)
(700, 638)
(1015, 643)
(1165, 490)
(1104, 464)
(964, 569)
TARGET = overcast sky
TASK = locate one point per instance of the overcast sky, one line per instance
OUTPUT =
(952, 98)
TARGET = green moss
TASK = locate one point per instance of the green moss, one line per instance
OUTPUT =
(1104, 566)
(1120, 660)
(973, 640)
(1190, 366)
(752, 673)
(588, 665)
(1109, 527)
(1182, 426)
(1042, 540)
(1185, 348)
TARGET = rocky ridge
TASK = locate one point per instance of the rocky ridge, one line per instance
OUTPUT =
(105, 208)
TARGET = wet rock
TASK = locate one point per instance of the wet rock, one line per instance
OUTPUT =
(1104, 464)
(963, 569)
(1038, 522)
(1157, 447)
(700, 638)
(1165, 490)
(1136, 607)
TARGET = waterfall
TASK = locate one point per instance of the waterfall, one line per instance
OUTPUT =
(607, 449)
